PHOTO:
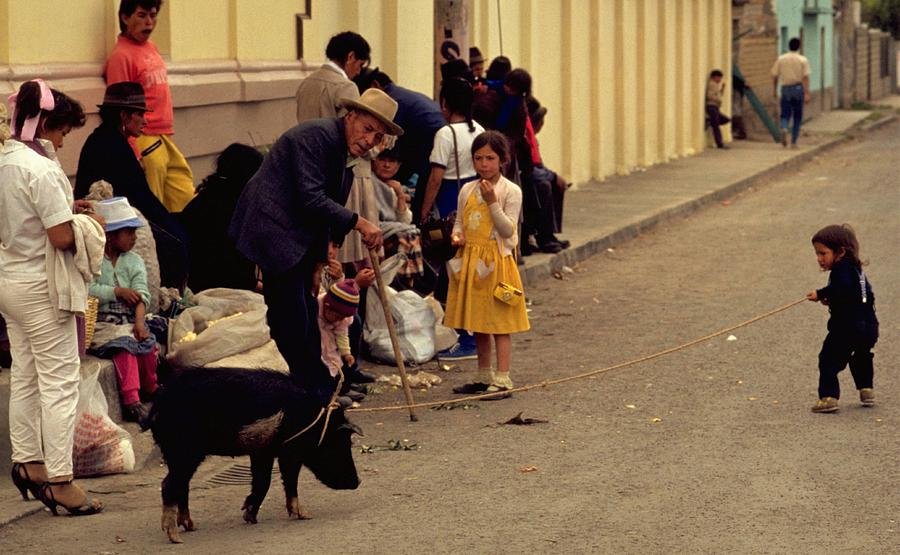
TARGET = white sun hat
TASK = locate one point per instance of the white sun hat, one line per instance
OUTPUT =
(117, 213)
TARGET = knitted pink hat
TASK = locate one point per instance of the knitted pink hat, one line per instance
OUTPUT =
(343, 297)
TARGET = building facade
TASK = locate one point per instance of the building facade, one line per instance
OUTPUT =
(623, 80)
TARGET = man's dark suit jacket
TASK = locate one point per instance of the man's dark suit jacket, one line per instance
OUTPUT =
(295, 202)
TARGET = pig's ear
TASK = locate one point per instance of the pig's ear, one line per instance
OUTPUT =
(352, 427)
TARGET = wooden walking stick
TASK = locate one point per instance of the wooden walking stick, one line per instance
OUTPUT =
(392, 331)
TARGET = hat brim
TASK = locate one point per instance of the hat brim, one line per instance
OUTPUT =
(131, 222)
(392, 127)
(123, 106)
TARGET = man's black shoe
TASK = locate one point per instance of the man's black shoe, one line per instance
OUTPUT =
(357, 375)
(550, 247)
(361, 387)
(355, 395)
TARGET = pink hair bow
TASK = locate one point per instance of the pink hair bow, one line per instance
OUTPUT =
(30, 127)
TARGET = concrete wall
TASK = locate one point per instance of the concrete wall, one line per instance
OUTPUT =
(871, 84)
(880, 44)
(623, 79)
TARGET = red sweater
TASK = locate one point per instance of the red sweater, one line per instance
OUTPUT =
(132, 61)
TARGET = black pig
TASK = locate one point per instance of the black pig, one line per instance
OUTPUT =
(233, 411)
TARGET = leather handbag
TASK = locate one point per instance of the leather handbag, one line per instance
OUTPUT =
(436, 232)
(436, 242)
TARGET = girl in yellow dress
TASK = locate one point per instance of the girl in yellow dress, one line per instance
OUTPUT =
(485, 230)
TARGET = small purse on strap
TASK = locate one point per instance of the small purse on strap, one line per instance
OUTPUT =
(436, 232)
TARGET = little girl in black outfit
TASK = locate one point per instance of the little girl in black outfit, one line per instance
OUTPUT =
(852, 327)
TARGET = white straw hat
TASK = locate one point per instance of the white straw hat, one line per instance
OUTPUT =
(117, 213)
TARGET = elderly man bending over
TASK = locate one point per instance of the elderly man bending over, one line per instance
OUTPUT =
(290, 210)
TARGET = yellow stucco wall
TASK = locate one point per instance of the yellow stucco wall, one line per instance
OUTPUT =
(623, 79)
(398, 31)
(58, 31)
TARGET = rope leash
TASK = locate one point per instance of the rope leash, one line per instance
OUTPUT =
(548, 383)
(326, 410)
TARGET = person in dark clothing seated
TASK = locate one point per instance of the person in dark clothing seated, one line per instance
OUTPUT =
(549, 186)
(215, 262)
(107, 155)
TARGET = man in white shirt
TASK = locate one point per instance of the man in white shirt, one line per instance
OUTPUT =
(792, 69)
(321, 93)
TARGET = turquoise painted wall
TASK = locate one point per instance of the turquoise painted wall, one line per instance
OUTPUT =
(812, 21)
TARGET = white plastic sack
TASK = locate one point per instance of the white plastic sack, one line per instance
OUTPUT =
(414, 321)
(444, 337)
(100, 446)
(225, 322)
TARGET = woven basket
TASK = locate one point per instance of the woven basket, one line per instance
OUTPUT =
(90, 320)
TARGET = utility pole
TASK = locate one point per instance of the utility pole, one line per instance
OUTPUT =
(847, 51)
(451, 40)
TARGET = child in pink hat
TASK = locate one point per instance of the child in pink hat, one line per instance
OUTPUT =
(337, 307)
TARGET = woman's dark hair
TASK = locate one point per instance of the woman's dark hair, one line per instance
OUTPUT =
(519, 81)
(128, 7)
(840, 238)
(67, 110)
(234, 168)
(496, 141)
(342, 44)
(457, 94)
(498, 69)
(716, 73)
(238, 161)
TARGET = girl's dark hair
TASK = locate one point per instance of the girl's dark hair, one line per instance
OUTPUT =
(457, 94)
(67, 110)
(498, 69)
(519, 81)
(496, 141)
(840, 238)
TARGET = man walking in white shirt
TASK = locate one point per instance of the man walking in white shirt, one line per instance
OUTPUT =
(792, 69)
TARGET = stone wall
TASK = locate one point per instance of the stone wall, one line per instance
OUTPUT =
(754, 54)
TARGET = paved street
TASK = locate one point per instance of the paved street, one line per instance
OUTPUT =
(711, 449)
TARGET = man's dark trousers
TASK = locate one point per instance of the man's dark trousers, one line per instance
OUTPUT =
(294, 326)
(792, 107)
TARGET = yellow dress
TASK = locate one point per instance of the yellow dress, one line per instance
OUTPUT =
(477, 268)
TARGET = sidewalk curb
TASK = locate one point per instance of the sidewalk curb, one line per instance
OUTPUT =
(10, 517)
(532, 272)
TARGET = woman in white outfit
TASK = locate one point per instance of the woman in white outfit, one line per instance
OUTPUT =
(36, 208)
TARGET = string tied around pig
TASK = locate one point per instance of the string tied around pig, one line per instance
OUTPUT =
(326, 411)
